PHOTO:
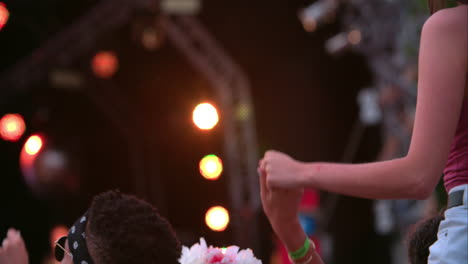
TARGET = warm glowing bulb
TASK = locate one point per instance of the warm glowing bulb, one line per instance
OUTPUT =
(151, 39)
(4, 15)
(33, 145)
(105, 64)
(205, 116)
(12, 127)
(217, 218)
(211, 167)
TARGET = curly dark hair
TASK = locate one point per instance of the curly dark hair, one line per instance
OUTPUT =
(123, 229)
(421, 237)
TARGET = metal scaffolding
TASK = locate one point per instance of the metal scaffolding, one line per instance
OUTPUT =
(205, 54)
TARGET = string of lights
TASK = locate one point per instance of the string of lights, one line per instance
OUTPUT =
(233, 93)
(171, 20)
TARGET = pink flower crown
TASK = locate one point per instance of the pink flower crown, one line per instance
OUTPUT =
(199, 253)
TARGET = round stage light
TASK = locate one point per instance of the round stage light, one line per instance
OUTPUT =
(205, 116)
(151, 38)
(105, 64)
(33, 145)
(211, 167)
(4, 15)
(217, 218)
(12, 127)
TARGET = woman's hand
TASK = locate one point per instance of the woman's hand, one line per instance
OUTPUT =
(13, 249)
(282, 171)
(281, 206)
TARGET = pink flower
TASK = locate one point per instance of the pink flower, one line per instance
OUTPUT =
(201, 254)
(214, 256)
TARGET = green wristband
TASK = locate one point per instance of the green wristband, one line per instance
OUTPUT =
(300, 253)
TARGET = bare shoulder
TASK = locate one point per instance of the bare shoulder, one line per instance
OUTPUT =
(448, 22)
(444, 40)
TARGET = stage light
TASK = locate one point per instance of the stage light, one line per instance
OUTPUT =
(105, 64)
(4, 15)
(243, 112)
(151, 38)
(211, 167)
(370, 112)
(33, 145)
(205, 116)
(12, 127)
(217, 218)
(180, 7)
(66, 79)
(28, 158)
(148, 31)
(354, 37)
(318, 13)
(337, 44)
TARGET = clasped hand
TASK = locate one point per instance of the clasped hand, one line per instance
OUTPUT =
(280, 193)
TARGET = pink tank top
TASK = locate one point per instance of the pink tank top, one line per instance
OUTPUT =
(456, 169)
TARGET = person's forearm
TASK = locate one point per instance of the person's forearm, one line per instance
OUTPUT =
(293, 236)
(394, 179)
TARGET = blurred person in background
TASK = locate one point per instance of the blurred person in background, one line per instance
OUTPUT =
(421, 237)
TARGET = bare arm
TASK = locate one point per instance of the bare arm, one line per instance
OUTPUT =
(292, 235)
(442, 71)
(281, 207)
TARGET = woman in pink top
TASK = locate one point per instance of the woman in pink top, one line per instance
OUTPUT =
(439, 144)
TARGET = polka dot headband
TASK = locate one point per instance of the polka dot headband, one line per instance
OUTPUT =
(77, 242)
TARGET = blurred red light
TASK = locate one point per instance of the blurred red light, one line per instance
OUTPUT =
(105, 64)
(12, 127)
(4, 15)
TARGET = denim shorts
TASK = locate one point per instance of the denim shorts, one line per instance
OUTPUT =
(451, 246)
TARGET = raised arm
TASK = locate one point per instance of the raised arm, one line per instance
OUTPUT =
(442, 74)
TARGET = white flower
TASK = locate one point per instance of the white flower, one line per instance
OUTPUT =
(231, 254)
(195, 255)
(246, 256)
(199, 253)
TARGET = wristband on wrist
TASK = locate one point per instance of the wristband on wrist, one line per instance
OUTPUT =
(300, 253)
